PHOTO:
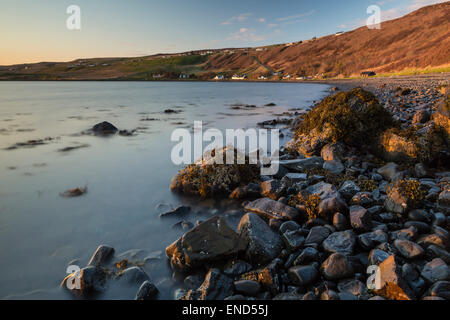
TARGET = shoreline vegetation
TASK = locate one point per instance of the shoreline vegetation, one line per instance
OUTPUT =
(363, 183)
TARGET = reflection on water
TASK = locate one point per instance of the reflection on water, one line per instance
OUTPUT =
(127, 177)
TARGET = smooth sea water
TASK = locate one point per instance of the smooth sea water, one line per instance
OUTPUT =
(128, 178)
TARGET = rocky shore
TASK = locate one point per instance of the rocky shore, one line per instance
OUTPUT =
(359, 210)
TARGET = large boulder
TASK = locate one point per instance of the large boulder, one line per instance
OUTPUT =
(354, 118)
(210, 241)
(208, 178)
(104, 128)
(264, 245)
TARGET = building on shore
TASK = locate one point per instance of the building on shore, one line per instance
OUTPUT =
(368, 74)
(239, 77)
(219, 77)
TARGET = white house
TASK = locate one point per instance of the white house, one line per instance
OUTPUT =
(238, 77)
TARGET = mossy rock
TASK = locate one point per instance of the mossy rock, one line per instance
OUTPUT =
(354, 118)
(207, 178)
(442, 115)
(429, 145)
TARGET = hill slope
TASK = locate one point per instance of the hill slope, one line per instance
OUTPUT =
(418, 40)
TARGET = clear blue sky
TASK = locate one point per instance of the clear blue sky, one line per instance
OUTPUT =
(33, 31)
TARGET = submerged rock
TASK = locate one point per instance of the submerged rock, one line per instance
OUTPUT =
(210, 241)
(101, 255)
(104, 128)
(147, 291)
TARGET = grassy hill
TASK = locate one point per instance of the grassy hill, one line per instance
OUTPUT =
(416, 43)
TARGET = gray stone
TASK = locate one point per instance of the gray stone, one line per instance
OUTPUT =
(337, 267)
(133, 275)
(440, 289)
(322, 189)
(434, 251)
(349, 189)
(272, 189)
(342, 242)
(293, 239)
(147, 291)
(247, 287)
(372, 239)
(178, 212)
(389, 171)
(409, 249)
(354, 287)
(360, 219)
(364, 199)
(216, 286)
(272, 209)
(102, 255)
(308, 255)
(289, 226)
(377, 256)
(263, 244)
(334, 166)
(332, 204)
(436, 270)
(301, 165)
(340, 221)
(236, 268)
(303, 275)
(317, 235)
(210, 241)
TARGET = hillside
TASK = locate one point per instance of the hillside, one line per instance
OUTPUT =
(418, 40)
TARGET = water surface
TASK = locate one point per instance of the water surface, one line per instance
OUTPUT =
(127, 177)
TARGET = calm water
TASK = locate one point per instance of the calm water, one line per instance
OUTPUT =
(127, 177)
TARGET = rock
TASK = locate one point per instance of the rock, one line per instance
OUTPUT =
(329, 295)
(370, 240)
(272, 209)
(421, 116)
(421, 227)
(391, 283)
(332, 204)
(420, 215)
(340, 221)
(403, 196)
(216, 286)
(409, 249)
(133, 275)
(147, 291)
(360, 219)
(364, 199)
(342, 242)
(236, 268)
(268, 277)
(293, 239)
(207, 178)
(296, 177)
(349, 189)
(303, 275)
(444, 200)
(440, 289)
(272, 189)
(337, 267)
(432, 239)
(322, 189)
(288, 296)
(420, 170)
(247, 287)
(404, 234)
(434, 251)
(264, 244)
(317, 235)
(334, 166)
(192, 282)
(377, 256)
(210, 241)
(104, 128)
(289, 226)
(300, 165)
(102, 255)
(252, 190)
(308, 255)
(354, 287)
(333, 152)
(389, 171)
(178, 212)
(237, 297)
(436, 270)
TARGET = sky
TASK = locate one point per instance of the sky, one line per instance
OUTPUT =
(36, 31)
